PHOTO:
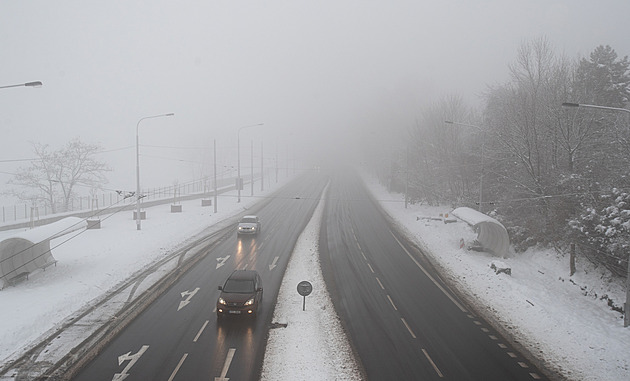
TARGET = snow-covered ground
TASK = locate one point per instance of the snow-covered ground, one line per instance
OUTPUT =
(565, 319)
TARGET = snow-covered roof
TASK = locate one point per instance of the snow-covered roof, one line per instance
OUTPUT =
(491, 234)
(27, 251)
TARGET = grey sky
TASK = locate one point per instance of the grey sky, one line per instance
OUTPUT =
(316, 73)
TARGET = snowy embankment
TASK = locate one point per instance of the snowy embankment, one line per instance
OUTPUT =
(566, 321)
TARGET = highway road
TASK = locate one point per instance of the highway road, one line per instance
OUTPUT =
(403, 321)
(177, 337)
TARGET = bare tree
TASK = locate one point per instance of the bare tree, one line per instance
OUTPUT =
(52, 179)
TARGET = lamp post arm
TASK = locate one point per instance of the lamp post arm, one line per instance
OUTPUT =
(27, 84)
(574, 105)
(463, 124)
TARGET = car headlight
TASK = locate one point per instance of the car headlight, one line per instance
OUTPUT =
(222, 301)
(249, 302)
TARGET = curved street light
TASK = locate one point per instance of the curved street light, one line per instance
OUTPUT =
(238, 154)
(138, 197)
(626, 315)
(575, 105)
(27, 84)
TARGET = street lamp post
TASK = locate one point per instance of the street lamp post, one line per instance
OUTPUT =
(576, 105)
(483, 143)
(238, 159)
(626, 318)
(138, 196)
(27, 84)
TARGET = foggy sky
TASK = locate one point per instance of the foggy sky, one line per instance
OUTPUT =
(318, 74)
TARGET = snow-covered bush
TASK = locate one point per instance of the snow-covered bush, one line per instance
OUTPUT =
(604, 230)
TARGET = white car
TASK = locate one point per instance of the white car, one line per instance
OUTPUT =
(248, 225)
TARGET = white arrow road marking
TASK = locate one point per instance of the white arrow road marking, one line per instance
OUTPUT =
(132, 360)
(190, 294)
(273, 264)
(221, 261)
(226, 366)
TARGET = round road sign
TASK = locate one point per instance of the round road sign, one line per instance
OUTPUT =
(304, 288)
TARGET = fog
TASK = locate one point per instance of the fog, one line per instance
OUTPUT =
(322, 76)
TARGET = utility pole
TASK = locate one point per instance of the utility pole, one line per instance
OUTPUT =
(252, 168)
(215, 175)
(262, 169)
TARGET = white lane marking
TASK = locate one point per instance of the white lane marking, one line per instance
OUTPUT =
(437, 370)
(371, 269)
(177, 367)
(523, 365)
(379, 283)
(189, 295)
(535, 376)
(408, 328)
(392, 302)
(221, 261)
(273, 264)
(430, 277)
(132, 360)
(512, 355)
(226, 366)
(201, 330)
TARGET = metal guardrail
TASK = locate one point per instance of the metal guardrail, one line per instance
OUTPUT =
(95, 213)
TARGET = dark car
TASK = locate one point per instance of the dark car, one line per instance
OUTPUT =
(248, 225)
(241, 294)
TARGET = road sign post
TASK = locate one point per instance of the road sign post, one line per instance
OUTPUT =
(304, 288)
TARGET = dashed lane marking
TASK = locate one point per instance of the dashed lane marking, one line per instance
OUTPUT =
(392, 302)
(408, 328)
(201, 330)
(177, 367)
(437, 370)
(379, 283)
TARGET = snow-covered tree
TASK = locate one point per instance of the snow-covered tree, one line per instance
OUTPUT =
(53, 177)
(603, 78)
(604, 230)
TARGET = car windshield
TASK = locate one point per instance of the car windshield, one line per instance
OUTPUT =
(249, 220)
(239, 286)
